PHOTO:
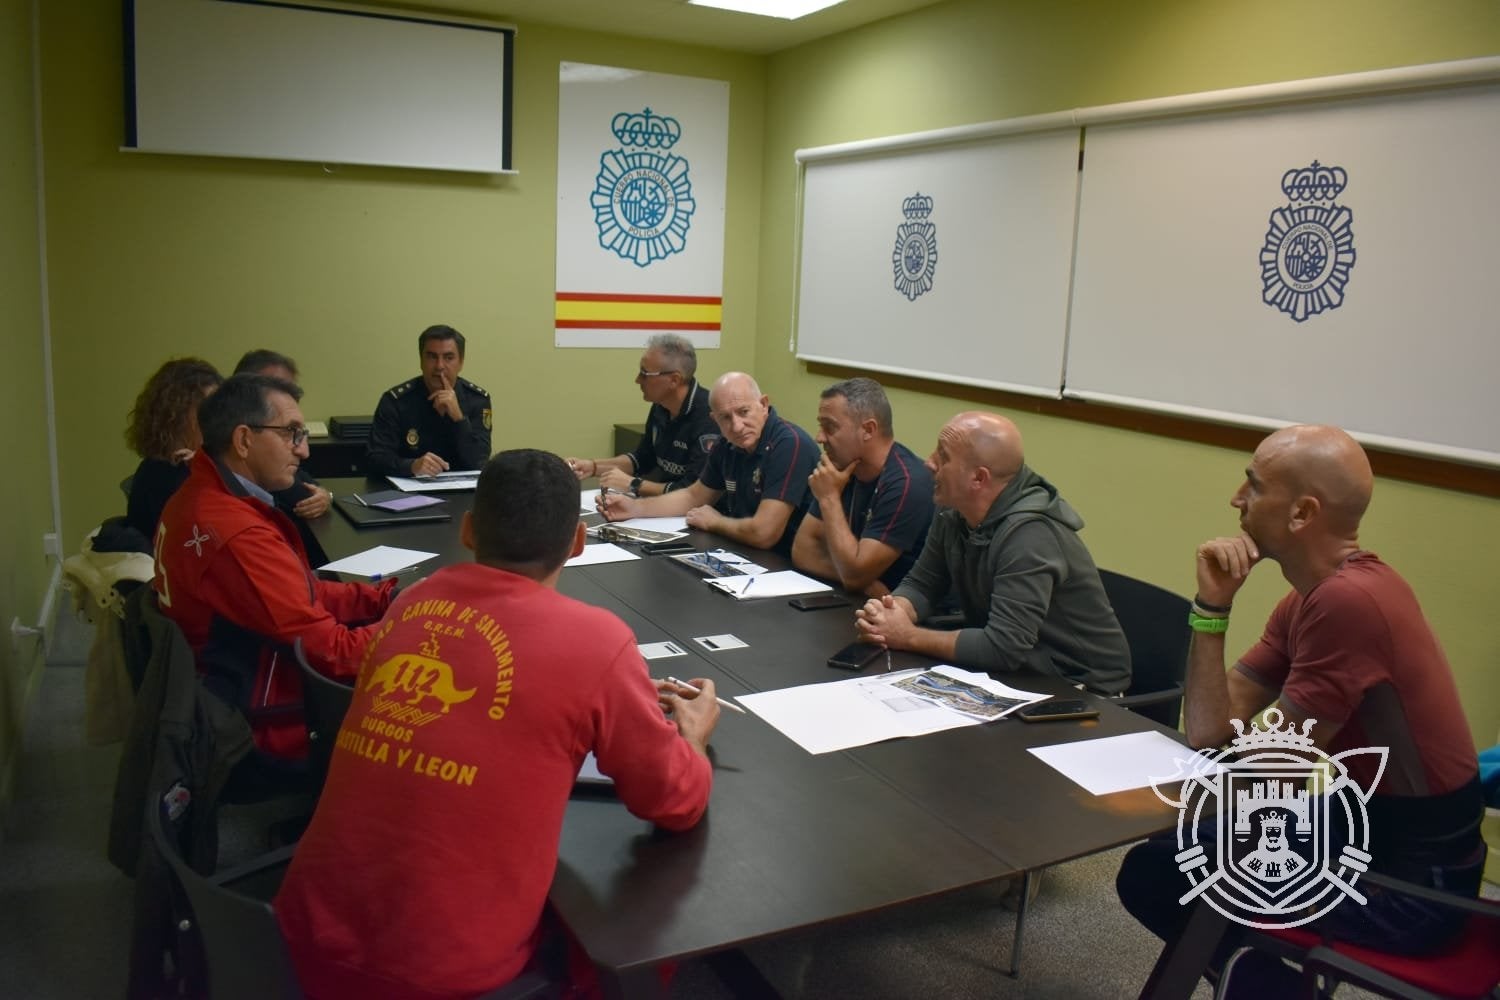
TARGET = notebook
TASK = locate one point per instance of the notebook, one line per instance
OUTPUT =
(368, 515)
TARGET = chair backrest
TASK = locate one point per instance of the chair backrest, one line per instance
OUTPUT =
(244, 953)
(325, 703)
(1155, 625)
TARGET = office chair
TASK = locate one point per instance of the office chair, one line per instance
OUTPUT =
(1468, 968)
(1155, 625)
(325, 702)
(243, 954)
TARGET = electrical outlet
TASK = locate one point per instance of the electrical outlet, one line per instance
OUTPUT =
(51, 546)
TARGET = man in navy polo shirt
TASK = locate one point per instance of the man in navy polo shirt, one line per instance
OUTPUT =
(871, 499)
(760, 471)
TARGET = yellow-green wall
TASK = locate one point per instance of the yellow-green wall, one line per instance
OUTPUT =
(1148, 501)
(158, 255)
(25, 497)
(154, 256)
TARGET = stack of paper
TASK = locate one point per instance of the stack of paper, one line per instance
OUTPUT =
(838, 715)
(1118, 763)
(442, 481)
(787, 583)
(379, 562)
(592, 555)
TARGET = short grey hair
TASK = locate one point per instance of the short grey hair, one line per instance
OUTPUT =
(678, 351)
(866, 400)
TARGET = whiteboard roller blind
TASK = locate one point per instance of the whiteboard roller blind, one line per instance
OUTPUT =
(991, 309)
(1401, 346)
(286, 82)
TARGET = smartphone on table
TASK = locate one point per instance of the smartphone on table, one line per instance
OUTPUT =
(817, 602)
(1056, 709)
(854, 656)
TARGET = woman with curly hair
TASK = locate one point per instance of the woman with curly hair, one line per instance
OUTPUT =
(163, 430)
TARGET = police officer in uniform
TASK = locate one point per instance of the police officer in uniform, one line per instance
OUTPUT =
(434, 422)
(680, 429)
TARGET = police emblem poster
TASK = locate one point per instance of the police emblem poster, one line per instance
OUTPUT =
(1329, 262)
(947, 261)
(642, 164)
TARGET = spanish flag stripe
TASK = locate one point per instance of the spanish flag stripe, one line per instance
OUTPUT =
(697, 300)
(612, 324)
(637, 311)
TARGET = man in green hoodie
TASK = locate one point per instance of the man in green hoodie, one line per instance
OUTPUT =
(1006, 546)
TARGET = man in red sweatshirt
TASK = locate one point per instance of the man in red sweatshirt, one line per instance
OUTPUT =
(425, 869)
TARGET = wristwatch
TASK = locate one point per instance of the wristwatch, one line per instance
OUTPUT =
(635, 486)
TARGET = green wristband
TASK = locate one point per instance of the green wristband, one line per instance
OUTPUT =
(1201, 623)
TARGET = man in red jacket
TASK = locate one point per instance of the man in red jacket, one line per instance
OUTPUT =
(232, 572)
(424, 872)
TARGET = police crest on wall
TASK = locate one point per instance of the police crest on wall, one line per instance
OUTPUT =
(643, 199)
(642, 170)
(1309, 248)
(914, 261)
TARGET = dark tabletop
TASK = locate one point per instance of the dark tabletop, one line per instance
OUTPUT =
(793, 839)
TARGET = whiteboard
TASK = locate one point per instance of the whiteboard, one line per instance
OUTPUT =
(991, 308)
(329, 85)
(1181, 225)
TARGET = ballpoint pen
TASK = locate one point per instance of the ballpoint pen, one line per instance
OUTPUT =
(359, 499)
(727, 704)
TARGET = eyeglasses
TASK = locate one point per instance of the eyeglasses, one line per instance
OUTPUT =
(296, 435)
(643, 373)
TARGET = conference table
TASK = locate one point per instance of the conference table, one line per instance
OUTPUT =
(791, 839)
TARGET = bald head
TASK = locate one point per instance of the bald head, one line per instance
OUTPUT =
(991, 441)
(1323, 462)
(977, 456)
(739, 408)
(735, 384)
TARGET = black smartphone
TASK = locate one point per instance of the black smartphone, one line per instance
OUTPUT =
(1054, 709)
(854, 656)
(817, 602)
(668, 547)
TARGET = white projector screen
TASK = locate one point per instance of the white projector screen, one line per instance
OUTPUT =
(1183, 224)
(1001, 214)
(324, 84)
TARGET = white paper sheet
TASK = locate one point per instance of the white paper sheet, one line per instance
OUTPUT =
(838, 715)
(381, 561)
(601, 552)
(660, 650)
(586, 500)
(717, 643)
(787, 583)
(442, 481)
(1119, 763)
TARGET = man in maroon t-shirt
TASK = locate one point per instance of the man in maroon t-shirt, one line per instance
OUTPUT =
(1350, 648)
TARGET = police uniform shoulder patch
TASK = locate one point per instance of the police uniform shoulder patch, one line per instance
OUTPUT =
(474, 388)
(404, 387)
(488, 419)
(412, 437)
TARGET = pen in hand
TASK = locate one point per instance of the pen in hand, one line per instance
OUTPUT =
(727, 704)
